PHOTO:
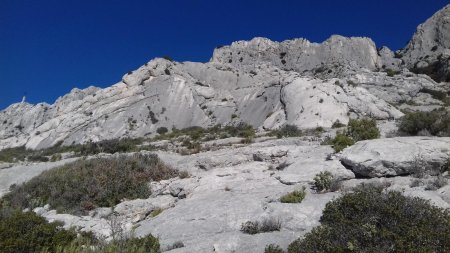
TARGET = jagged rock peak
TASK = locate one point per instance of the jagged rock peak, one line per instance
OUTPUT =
(300, 54)
(428, 51)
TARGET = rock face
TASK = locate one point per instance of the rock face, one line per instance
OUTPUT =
(260, 82)
(429, 50)
(396, 156)
(300, 54)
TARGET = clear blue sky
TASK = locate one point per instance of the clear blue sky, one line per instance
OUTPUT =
(49, 47)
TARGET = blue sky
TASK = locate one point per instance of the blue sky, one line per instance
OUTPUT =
(48, 47)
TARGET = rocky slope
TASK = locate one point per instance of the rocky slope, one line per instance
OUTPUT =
(237, 183)
(260, 82)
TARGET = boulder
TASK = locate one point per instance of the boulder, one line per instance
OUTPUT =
(395, 156)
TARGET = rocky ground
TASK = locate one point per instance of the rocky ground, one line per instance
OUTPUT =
(239, 183)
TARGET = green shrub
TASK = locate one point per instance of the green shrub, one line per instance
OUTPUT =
(371, 220)
(340, 142)
(56, 157)
(28, 232)
(148, 244)
(436, 122)
(294, 197)
(323, 181)
(287, 131)
(337, 124)
(255, 227)
(13, 154)
(162, 130)
(85, 184)
(363, 129)
(272, 248)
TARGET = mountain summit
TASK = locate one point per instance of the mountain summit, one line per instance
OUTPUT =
(260, 82)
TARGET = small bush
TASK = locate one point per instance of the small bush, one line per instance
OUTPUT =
(85, 184)
(272, 248)
(436, 183)
(340, 142)
(294, 197)
(363, 129)
(156, 212)
(436, 122)
(323, 181)
(28, 232)
(371, 220)
(287, 131)
(337, 124)
(255, 227)
(162, 130)
(175, 245)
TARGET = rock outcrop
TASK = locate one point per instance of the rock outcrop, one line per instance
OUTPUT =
(396, 156)
(428, 51)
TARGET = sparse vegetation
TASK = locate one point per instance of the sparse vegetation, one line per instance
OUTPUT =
(339, 142)
(357, 130)
(255, 227)
(162, 130)
(372, 220)
(323, 181)
(85, 184)
(436, 122)
(363, 129)
(337, 124)
(272, 248)
(296, 196)
(287, 131)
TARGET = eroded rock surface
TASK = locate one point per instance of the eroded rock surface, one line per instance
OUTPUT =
(396, 156)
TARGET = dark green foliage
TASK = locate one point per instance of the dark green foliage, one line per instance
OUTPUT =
(287, 131)
(391, 72)
(162, 130)
(28, 232)
(439, 95)
(90, 148)
(272, 248)
(85, 184)
(436, 122)
(363, 129)
(339, 142)
(13, 154)
(294, 197)
(337, 124)
(371, 220)
(255, 227)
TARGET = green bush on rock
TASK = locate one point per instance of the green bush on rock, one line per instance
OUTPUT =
(372, 220)
(85, 184)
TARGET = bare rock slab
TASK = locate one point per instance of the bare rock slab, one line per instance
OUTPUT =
(395, 156)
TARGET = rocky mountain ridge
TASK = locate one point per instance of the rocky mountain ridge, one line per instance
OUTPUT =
(259, 82)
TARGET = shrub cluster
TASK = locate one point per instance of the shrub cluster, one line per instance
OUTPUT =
(287, 131)
(196, 133)
(357, 130)
(363, 129)
(91, 148)
(296, 196)
(372, 220)
(255, 227)
(436, 122)
(85, 184)
(28, 232)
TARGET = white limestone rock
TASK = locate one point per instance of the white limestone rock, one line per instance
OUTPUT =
(395, 156)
